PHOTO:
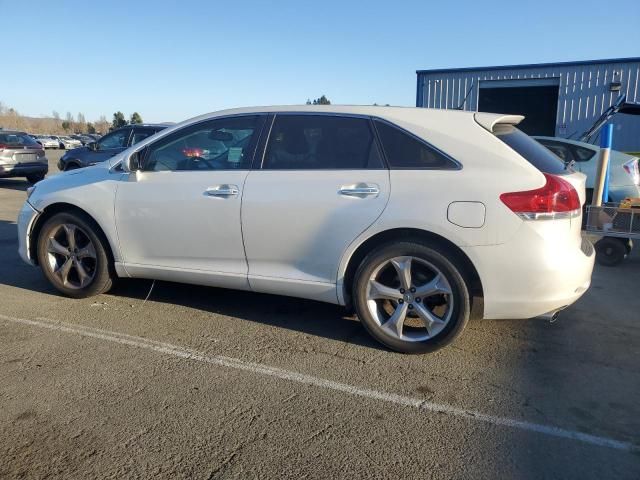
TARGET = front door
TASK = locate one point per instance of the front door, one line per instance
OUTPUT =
(178, 218)
(322, 183)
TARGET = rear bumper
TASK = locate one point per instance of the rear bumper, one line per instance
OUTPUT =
(26, 220)
(529, 277)
(22, 169)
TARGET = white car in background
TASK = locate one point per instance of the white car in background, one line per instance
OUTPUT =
(48, 142)
(408, 214)
(68, 143)
(624, 174)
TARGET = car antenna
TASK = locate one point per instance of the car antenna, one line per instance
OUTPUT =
(464, 100)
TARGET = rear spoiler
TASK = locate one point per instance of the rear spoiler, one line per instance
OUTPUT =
(488, 121)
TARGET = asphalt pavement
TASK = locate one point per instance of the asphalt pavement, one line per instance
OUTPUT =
(209, 383)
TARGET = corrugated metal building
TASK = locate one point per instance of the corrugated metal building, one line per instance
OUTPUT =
(558, 99)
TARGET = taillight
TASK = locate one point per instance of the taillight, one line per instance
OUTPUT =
(3, 146)
(557, 199)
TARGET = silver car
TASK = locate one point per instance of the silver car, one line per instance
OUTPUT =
(21, 156)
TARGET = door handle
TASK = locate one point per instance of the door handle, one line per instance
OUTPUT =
(360, 190)
(222, 191)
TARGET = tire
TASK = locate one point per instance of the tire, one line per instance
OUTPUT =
(93, 262)
(433, 320)
(71, 166)
(611, 251)
(35, 177)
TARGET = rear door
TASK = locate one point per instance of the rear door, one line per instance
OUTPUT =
(321, 183)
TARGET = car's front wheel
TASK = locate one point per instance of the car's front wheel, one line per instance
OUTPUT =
(410, 297)
(73, 255)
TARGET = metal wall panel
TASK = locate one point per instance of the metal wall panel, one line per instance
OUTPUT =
(584, 93)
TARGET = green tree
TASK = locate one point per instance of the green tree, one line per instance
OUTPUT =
(90, 128)
(118, 120)
(66, 125)
(135, 118)
(323, 100)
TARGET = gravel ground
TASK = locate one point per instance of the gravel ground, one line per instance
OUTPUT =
(210, 383)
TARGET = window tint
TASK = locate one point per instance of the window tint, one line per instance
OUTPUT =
(17, 140)
(582, 154)
(117, 139)
(140, 134)
(561, 150)
(303, 142)
(223, 144)
(406, 151)
(535, 153)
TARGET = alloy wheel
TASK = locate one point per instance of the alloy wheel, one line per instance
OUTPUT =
(71, 256)
(409, 298)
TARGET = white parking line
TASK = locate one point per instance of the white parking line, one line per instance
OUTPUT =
(260, 369)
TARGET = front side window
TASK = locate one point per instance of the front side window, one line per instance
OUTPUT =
(403, 150)
(222, 144)
(117, 139)
(307, 142)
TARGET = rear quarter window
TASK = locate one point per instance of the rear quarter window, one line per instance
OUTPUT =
(535, 153)
(405, 151)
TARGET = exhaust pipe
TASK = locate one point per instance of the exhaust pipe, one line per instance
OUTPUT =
(551, 316)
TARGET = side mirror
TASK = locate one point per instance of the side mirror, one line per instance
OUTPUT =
(93, 146)
(133, 162)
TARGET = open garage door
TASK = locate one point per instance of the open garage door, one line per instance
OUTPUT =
(536, 99)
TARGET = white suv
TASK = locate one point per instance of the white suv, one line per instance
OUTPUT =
(407, 214)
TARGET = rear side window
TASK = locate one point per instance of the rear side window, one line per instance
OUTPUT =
(582, 154)
(140, 134)
(403, 150)
(532, 151)
(561, 150)
(312, 142)
(19, 140)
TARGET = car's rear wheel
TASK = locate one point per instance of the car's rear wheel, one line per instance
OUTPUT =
(35, 177)
(73, 255)
(411, 298)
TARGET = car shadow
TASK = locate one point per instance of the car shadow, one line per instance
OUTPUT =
(14, 184)
(305, 316)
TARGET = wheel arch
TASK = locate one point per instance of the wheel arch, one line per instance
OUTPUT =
(469, 272)
(73, 163)
(61, 207)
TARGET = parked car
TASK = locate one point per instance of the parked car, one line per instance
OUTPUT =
(624, 173)
(21, 156)
(408, 214)
(48, 142)
(68, 143)
(83, 139)
(108, 146)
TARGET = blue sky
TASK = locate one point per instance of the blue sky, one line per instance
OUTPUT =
(173, 60)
